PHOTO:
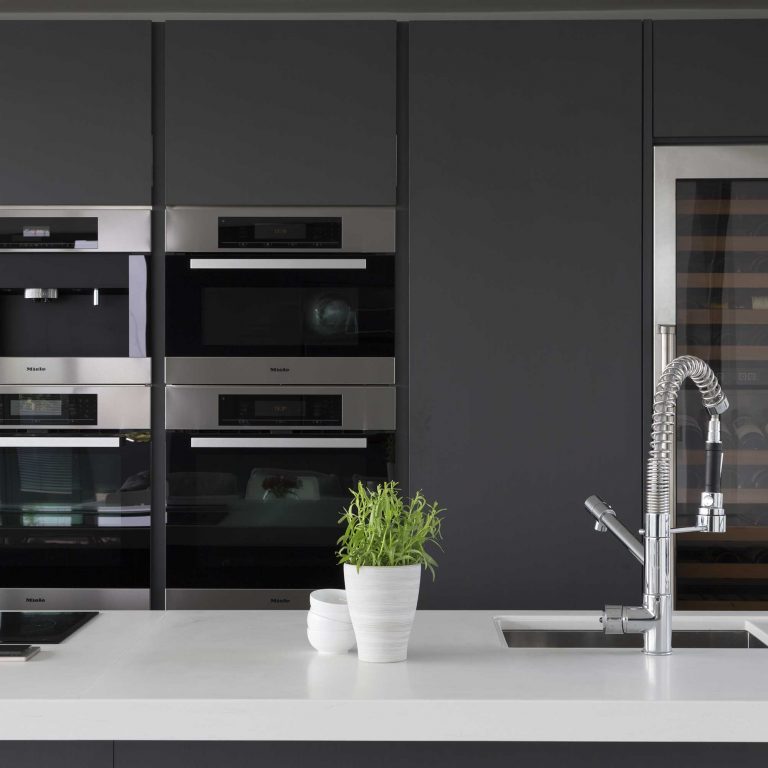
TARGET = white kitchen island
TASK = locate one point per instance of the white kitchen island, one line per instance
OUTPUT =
(220, 675)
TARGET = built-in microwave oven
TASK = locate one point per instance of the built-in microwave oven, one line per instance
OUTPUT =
(74, 497)
(280, 296)
(73, 295)
(257, 479)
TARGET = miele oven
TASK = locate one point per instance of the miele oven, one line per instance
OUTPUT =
(257, 478)
(73, 295)
(74, 497)
(280, 296)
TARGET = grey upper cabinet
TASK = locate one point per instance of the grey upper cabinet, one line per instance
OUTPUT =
(75, 113)
(525, 306)
(709, 79)
(280, 113)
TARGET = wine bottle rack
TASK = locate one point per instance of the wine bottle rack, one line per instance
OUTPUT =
(722, 317)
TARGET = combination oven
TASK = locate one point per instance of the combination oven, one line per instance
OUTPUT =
(73, 295)
(74, 497)
(711, 301)
(257, 479)
(280, 296)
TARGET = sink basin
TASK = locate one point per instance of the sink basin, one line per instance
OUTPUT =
(594, 638)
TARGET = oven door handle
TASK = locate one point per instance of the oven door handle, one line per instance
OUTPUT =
(306, 264)
(50, 441)
(278, 442)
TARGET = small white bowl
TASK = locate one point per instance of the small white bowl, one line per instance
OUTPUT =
(331, 642)
(331, 603)
(324, 624)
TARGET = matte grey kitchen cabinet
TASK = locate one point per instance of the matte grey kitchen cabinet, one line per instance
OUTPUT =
(709, 79)
(525, 306)
(75, 113)
(271, 113)
(61, 754)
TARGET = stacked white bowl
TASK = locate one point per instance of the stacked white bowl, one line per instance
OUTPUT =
(329, 627)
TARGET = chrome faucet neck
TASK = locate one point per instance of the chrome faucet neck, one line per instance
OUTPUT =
(654, 618)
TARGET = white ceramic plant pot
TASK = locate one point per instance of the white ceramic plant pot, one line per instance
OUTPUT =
(382, 605)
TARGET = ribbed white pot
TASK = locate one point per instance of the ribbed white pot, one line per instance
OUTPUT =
(382, 605)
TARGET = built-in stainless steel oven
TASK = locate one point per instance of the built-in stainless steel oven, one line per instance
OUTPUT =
(257, 478)
(73, 295)
(280, 296)
(74, 497)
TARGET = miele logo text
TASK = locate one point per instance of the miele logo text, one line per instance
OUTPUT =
(279, 370)
(35, 599)
(36, 368)
(279, 600)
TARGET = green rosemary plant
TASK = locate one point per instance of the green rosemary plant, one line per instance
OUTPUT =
(384, 529)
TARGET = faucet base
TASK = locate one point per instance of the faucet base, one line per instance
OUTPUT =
(653, 620)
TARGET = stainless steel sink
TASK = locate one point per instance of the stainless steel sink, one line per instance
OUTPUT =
(586, 638)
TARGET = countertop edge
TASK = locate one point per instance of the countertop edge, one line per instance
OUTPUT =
(354, 720)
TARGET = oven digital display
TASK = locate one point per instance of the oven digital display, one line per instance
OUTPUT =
(36, 232)
(65, 410)
(279, 232)
(49, 406)
(280, 410)
(48, 232)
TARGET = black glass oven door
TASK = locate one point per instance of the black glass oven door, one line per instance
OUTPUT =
(254, 512)
(219, 306)
(74, 509)
(73, 305)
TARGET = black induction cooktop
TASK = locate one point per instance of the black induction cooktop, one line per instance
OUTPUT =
(42, 626)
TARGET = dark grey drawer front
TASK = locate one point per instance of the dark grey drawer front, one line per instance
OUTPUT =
(61, 754)
(75, 100)
(709, 79)
(280, 113)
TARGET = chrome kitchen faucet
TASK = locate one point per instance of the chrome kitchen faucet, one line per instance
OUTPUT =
(654, 617)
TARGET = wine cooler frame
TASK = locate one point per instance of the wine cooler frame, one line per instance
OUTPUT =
(671, 164)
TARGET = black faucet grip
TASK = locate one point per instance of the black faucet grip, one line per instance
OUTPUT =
(713, 467)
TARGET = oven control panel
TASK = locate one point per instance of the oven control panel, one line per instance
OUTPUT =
(279, 410)
(61, 410)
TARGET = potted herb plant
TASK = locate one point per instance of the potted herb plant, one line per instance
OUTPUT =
(383, 549)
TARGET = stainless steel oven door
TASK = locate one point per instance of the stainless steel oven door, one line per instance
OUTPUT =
(73, 295)
(74, 497)
(257, 479)
(280, 296)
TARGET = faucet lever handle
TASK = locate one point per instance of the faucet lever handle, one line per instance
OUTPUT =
(599, 509)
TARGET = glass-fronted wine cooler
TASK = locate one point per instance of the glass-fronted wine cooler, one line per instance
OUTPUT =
(711, 301)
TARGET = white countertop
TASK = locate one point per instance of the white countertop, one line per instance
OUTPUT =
(221, 675)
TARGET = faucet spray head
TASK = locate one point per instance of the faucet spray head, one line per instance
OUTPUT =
(711, 517)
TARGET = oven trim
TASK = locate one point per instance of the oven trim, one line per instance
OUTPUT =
(122, 229)
(280, 370)
(180, 599)
(196, 408)
(74, 599)
(119, 408)
(363, 229)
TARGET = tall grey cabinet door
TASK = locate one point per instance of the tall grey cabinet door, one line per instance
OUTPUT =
(75, 113)
(709, 79)
(525, 306)
(280, 113)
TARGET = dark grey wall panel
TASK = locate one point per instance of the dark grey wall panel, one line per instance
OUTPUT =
(61, 754)
(267, 113)
(75, 100)
(709, 79)
(449, 755)
(525, 342)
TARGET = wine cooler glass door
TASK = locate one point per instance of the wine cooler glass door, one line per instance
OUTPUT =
(716, 200)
